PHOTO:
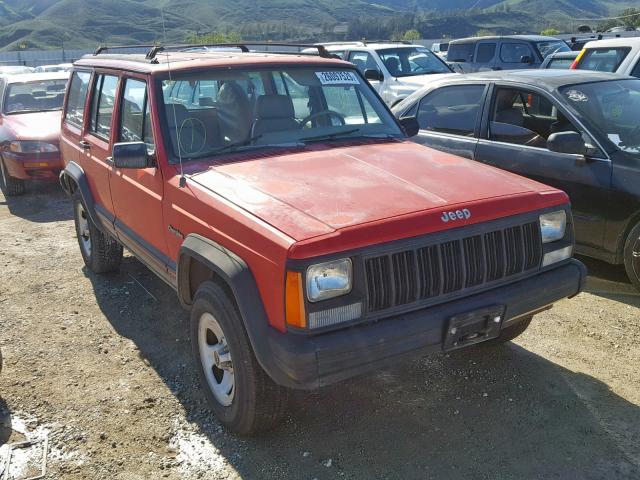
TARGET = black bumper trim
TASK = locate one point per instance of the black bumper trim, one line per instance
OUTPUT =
(307, 362)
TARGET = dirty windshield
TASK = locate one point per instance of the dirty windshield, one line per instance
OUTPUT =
(220, 112)
(34, 96)
(614, 109)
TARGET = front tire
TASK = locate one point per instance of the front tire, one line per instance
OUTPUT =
(632, 256)
(10, 186)
(239, 391)
(101, 253)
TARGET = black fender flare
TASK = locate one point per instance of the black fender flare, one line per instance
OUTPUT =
(237, 275)
(74, 173)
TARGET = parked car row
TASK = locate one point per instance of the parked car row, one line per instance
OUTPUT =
(309, 238)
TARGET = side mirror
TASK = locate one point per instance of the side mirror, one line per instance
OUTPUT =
(526, 59)
(372, 74)
(130, 155)
(567, 142)
(410, 126)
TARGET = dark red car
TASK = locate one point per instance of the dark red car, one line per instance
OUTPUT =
(30, 106)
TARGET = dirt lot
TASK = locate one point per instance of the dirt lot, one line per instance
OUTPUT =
(101, 366)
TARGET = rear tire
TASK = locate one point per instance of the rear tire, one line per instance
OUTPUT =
(239, 391)
(632, 256)
(101, 253)
(10, 186)
(509, 333)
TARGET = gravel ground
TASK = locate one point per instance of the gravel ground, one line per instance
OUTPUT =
(101, 366)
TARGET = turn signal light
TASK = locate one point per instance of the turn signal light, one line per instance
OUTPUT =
(294, 301)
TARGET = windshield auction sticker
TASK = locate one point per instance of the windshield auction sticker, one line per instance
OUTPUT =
(337, 78)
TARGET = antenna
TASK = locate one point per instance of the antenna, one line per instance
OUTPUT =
(183, 180)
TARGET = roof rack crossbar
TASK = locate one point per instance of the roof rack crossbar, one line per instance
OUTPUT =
(242, 46)
(104, 48)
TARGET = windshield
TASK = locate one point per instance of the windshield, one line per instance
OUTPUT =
(220, 112)
(614, 109)
(409, 61)
(40, 96)
(603, 59)
(552, 46)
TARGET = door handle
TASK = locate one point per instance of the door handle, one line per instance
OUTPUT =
(84, 144)
(496, 68)
(109, 161)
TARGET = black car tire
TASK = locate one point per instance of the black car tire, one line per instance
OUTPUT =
(101, 253)
(257, 403)
(509, 333)
(10, 186)
(632, 255)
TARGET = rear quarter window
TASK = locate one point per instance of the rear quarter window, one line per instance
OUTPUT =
(78, 88)
(603, 59)
(461, 52)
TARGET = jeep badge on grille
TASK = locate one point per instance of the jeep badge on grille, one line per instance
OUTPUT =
(457, 215)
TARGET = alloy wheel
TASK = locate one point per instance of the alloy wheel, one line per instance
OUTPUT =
(216, 359)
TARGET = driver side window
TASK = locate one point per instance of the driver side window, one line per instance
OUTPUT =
(525, 118)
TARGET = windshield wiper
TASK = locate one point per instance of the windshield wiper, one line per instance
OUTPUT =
(328, 136)
(231, 146)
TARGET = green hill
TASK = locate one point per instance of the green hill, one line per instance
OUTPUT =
(87, 23)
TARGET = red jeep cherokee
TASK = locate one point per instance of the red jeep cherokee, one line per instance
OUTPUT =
(311, 241)
(30, 106)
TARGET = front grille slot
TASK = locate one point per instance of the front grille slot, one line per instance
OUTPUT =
(411, 275)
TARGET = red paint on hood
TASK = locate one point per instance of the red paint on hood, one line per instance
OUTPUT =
(387, 186)
(34, 126)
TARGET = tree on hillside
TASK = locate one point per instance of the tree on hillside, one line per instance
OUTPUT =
(550, 32)
(214, 37)
(483, 32)
(411, 35)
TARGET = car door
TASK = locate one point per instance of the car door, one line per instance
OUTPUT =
(485, 55)
(137, 193)
(73, 117)
(449, 118)
(96, 142)
(516, 125)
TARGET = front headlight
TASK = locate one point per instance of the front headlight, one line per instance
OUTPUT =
(553, 226)
(32, 146)
(329, 279)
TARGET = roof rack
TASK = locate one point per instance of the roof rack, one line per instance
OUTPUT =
(155, 49)
(365, 42)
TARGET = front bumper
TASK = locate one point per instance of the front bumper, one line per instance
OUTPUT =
(307, 362)
(46, 166)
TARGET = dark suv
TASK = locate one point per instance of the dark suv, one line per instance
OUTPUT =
(502, 53)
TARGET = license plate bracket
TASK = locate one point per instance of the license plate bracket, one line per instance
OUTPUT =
(473, 327)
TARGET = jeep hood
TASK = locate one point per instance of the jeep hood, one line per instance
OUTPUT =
(387, 189)
(34, 126)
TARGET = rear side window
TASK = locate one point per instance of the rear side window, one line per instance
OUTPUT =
(486, 51)
(102, 104)
(560, 63)
(461, 52)
(135, 120)
(603, 59)
(636, 70)
(451, 109)
(513, 52)
(77, 96)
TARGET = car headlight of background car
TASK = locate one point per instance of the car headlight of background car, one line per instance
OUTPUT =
(32, 146)
(553, 227)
